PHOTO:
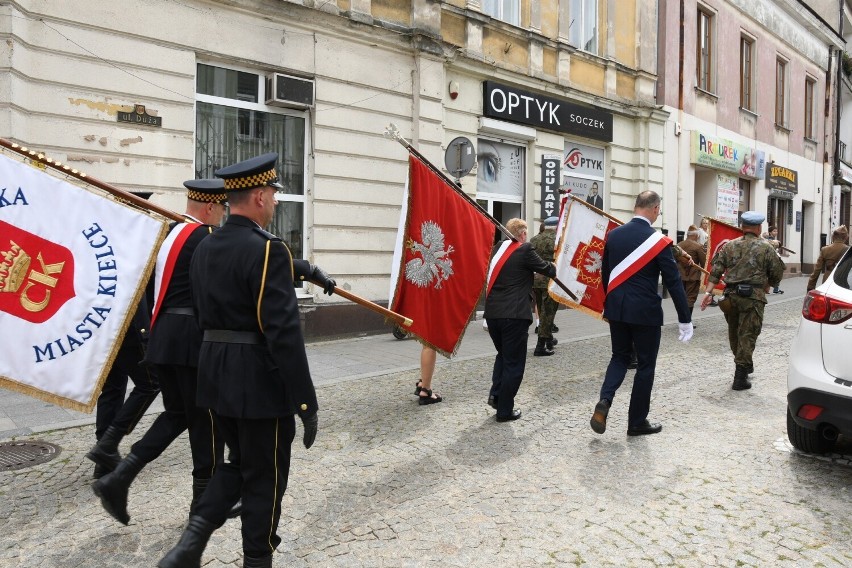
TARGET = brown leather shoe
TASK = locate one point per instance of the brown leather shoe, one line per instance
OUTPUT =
(598, 421)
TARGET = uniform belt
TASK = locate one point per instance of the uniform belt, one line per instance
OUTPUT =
(230, 336)
(180, 311)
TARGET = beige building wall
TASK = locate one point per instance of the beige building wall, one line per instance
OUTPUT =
(71, 66)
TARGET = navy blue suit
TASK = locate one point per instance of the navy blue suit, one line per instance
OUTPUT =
(635, 314)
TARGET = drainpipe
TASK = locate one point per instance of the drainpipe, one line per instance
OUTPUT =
(837, 117)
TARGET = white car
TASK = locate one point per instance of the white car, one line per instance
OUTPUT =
(819, 377)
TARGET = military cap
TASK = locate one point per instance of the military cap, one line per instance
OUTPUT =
(753, 218)
(551, 221)
(249, 174)
(206, 190)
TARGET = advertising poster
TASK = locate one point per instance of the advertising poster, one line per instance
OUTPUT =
(727, 199)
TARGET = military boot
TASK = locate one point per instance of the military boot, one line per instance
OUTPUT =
(187, 552)
(551, 343)
(113, 488)
(541, 348)
(105, 452)
(741, 381)
(264, 562)
(199, 485)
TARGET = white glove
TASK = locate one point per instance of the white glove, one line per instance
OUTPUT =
(685, 331)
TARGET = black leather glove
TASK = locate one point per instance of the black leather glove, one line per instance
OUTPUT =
(311, 423)
(319, 275)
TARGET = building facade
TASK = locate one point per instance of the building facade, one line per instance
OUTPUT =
(144, 95)
(750, 90)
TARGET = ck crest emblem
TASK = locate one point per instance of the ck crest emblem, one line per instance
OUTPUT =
(434, 264)
(36, 275)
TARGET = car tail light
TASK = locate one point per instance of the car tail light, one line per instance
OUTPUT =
(809, 411)
(822, 308)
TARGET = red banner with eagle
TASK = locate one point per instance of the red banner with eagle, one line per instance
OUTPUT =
(720, 233)
(579, 256)
(440, 261)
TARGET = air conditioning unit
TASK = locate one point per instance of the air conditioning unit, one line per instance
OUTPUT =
(288, 91)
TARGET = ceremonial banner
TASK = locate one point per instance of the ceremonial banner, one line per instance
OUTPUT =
(440, 260)
(73, 267)
(579, 257)
(718, 235)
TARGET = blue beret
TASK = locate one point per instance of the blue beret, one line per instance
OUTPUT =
(248, 174)
(551, 221)
(753, 218)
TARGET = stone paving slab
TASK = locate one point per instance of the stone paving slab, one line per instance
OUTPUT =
(393, 484)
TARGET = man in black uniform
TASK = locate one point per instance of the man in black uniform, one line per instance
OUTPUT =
(117, 417)
(253, 369)
(173, 347)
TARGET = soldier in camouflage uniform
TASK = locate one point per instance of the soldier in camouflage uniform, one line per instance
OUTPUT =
(750, 266)
(543, 243)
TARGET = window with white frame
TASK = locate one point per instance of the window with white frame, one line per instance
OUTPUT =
(583, 29)
(233, 124)
(501, 178)
(705, 48)
(781, 92)
(507, 10)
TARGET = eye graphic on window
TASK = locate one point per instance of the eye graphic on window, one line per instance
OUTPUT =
(489, 163)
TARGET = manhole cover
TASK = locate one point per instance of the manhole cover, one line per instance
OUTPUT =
(18, 455)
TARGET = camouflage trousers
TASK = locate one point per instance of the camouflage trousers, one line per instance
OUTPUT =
(547, 307)
(745, 319)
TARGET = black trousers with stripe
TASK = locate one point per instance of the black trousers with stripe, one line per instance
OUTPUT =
(179, 384)
(113, 409)
(257, 472)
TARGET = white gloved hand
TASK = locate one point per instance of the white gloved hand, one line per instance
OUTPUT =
(685, 331)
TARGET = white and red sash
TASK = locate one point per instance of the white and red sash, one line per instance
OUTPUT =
(166, 260)
(652, 246)
(506, 249)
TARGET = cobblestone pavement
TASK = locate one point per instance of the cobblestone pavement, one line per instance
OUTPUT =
(390, 483)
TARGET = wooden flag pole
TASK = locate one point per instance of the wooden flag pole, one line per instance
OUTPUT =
(67, 170)
(392, 132)
(391, 315)
(145, 204)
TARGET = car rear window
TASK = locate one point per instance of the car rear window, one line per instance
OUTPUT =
(843, 272)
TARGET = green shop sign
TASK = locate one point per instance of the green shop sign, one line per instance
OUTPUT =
(721, 154)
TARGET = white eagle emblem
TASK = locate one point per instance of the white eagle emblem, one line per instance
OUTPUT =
(435, 262)
(595, 260)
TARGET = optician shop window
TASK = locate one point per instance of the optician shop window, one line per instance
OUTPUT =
(233, 124)
(500, 176)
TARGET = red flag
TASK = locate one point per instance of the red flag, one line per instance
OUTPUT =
(720, 233)
(441, 259)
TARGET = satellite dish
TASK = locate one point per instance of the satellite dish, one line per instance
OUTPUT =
(460, 157)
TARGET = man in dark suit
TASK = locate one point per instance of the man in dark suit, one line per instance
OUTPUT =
(594, 198)
(508, 313)
(634, 310)
(253, 370)
(175, 340)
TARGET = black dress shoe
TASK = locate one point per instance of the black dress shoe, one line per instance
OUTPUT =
(514, 416)
(492, 402)
(644, 428)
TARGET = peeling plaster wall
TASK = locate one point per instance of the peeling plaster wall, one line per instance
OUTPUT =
(71, 73)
